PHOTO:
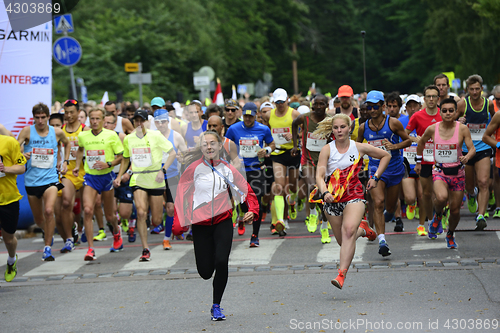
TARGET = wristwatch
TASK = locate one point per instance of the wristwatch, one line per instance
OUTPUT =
(67, 161)
(109, 164)
(130, 172)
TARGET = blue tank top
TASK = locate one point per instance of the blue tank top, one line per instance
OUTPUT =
(39, 171)
(190, 133)
(172, 170)
(375, 139)
(477, 121)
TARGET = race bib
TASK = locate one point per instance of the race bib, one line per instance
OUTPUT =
(446, 153)
(141, 157)
(410, 153)
(73, 146)
(94, 156)
(476, 131)
(279, 135)
(42, 158)
(377, 144)
(428, 152)
(249, 148)
(313, 143)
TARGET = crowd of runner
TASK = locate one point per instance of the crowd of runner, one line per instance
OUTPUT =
(199, 172)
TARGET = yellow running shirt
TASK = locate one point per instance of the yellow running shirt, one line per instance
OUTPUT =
(279, 127)
(73, 145)
(101, 147)
(10, 154)
(146, 155)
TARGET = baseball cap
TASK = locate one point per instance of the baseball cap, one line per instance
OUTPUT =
(266, 105)
(158, 101)
(345, 91)
(375, 96)
(141, 113)
(303, 109)
(250, 109)
(280, 94)
(294, 105)
(414, 98)
(161, 114)
(231, 103)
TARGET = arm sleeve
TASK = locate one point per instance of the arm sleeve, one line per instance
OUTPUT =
(185, 183)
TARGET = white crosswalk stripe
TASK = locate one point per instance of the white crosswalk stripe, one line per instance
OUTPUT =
(242, 254)
(331, 252)
(20, 255)
(160, 259)
(65, 264)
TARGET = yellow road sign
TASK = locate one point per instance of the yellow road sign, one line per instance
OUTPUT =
(132, 67)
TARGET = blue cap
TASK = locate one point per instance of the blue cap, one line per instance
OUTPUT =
(250, 109)
(161, 114)
(375, 96)
(158, 101)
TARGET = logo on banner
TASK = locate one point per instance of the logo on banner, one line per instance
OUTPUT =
(25, 36)
(23, 79)
(21, 123)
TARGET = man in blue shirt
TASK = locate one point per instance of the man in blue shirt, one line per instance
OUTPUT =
(250, 137)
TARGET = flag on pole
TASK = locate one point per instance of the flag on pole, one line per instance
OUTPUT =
(218, 98)
(104, 99)
(234, 96)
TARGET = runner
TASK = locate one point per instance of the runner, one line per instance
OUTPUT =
(196, 125)
(250, 137)
(41, 143)
(231, 107)
(419, 123)
(100, 146)
(442, 82)
(12, 163)
(123, 125)
(384, 132)
(478, 112)
(230, 152)
(311, 147)
(345, 94)
(280, 121)
(344, 201)
(204, 199)
(146, 148)
(448, 174)
(4, 131)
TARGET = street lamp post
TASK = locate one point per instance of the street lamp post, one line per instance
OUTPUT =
(364, 62)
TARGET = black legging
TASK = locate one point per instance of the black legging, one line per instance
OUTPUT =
(212, 245)
(256, 180)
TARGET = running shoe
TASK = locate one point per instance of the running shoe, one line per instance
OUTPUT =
(273, 229)
(291, 208)
(399, 227)
(312, 223)
(486, 215)
(124, 224)
(74, 233)
(480, 223)
(450, 242)
(410, 211)
(496, 214)
(158, 229)
(279, 226)
(101, 236)
(325, 237)
(436, 227)
(417, 213)
(369, 233)
(189, 235)
(282, 233)
(131, 235)
(90, 256)
(216, 312)
(241, 228)
(421, 230)
(301, 204)
(383, 249)
(68, 247)
(177, 237)
(339, 280)
(472, 204)
(84, 236)
(11, 271)
(264, 214)
(388, 217)
(166, 245)
(492, 200)
(446, 216)
(254, 241)
(146, 255)
(117, 241)
(47, 254)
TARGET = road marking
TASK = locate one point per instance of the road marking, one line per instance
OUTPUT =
(66, 263)
(41, 240)
(20, 255)
(160, 258)
(331, 252)
(244, 255)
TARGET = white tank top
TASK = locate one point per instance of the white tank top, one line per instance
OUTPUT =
(119, 127)
(341, 161)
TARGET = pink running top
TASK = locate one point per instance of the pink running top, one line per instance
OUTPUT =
(447, 152)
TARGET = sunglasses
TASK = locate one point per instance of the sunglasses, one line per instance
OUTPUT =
(447, 110)
(279, 102)
(374, 107)
(71, 101)
(230, 110)
(161, 121)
